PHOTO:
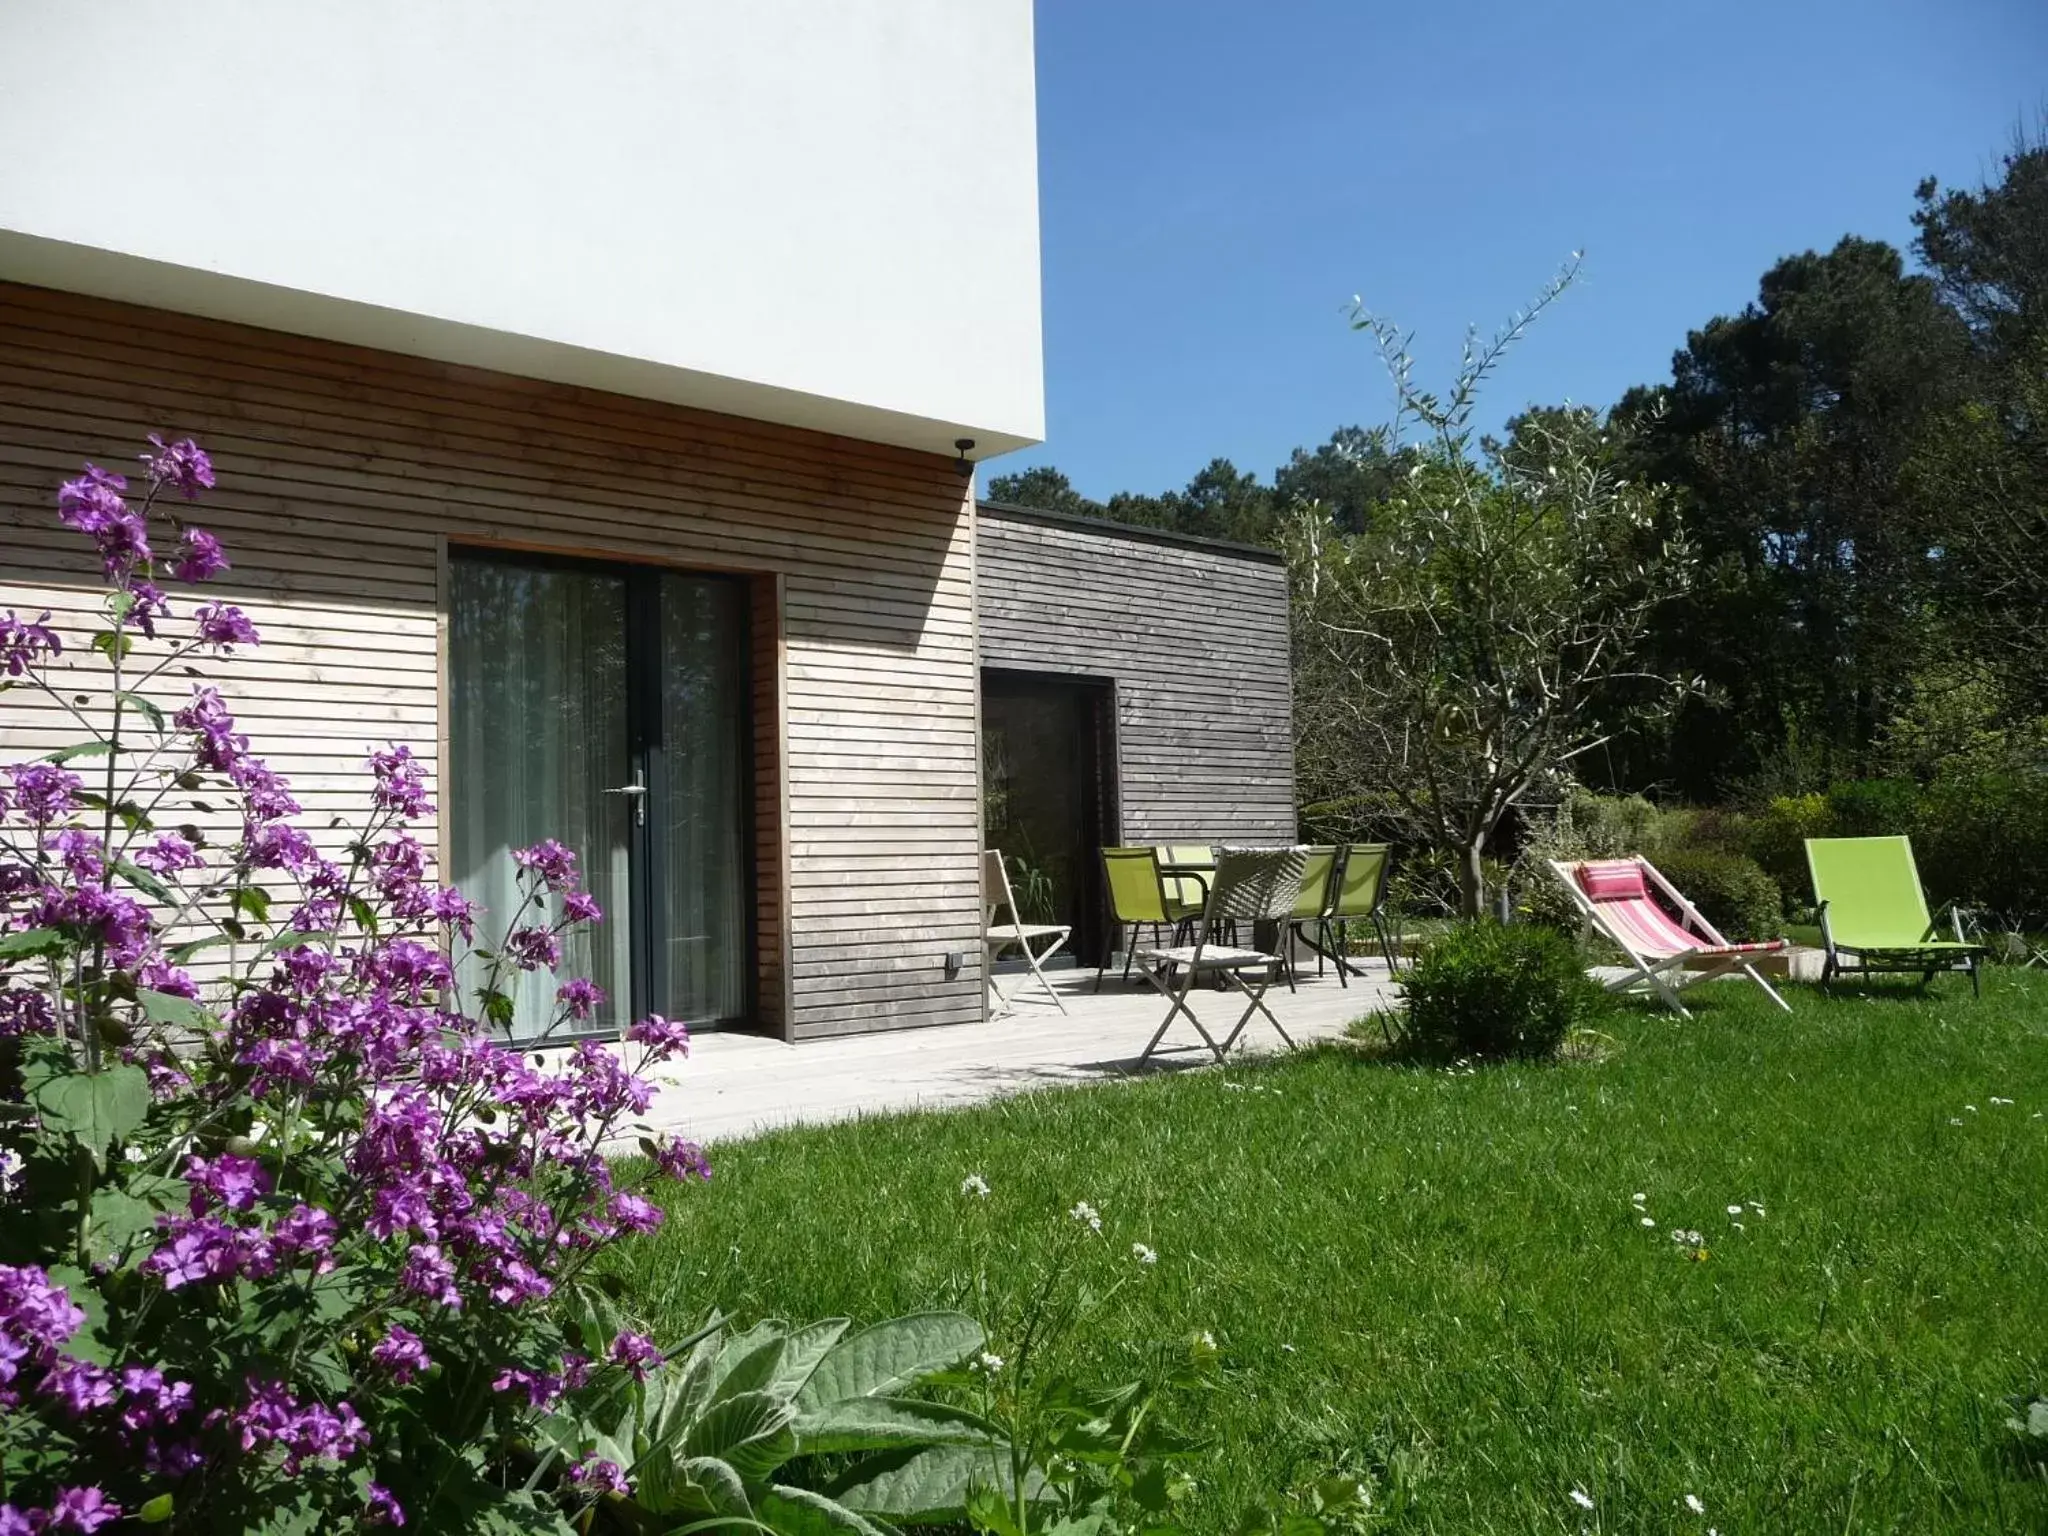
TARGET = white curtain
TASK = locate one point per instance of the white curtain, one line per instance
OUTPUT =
(538, 734)
(704, 761)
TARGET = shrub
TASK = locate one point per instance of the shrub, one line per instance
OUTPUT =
(1982, 840)
(1873, 807)
(1485, 990)
(1777, 842)
(1731, 890)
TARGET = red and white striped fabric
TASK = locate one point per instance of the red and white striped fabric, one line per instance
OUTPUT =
(1620, 893)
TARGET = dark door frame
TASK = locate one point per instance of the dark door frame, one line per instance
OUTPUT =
(1093, 930)
(644, 746)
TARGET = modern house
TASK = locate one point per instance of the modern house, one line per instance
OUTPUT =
(588, 388)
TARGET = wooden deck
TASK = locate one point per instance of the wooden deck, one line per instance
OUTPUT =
(734, 1085)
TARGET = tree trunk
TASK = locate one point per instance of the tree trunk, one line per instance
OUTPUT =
(1472, 878)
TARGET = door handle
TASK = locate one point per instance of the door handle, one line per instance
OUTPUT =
(637, 793)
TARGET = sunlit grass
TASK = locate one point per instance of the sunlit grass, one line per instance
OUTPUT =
(1444, 1278)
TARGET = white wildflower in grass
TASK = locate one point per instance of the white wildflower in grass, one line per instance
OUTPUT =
(1997, 1100)
(1087, 1215)
(1692, 1502)
(1580, 1497)
(974, 1184)
(1973, 1109)
(985, 1364)
(1955, 1120)
(134, 1155)
(1649, 1221)
(1143, 1254)
(1734, 1210)
(1755, 1207)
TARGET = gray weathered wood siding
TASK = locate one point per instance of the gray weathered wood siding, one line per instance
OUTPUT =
(346, 473)
(1193, 636)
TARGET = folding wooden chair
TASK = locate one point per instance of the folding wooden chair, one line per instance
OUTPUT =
(1665, 956)
(1251, 885)
(1016, 933)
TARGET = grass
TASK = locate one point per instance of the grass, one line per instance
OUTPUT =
(1440, 1277)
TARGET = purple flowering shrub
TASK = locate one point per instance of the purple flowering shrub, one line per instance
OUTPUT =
(288, 1239)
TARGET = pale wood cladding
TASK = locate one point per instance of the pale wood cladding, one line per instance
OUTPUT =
(1195, 639)
(342, 470)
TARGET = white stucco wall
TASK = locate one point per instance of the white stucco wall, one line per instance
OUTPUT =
(822, 212)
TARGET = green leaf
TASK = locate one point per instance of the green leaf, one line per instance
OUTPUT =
(184, 952)
(115, 1219)
(364, 914)
(30, 941)
(95, 1109)
(709, 1487)
(145, 882)
(923, 1487)
(168, 1008)
(880, 1423)
(891, 1356)
(145, 707)
(156, 1511)
(803, 1349)
(252, 899)
(751, 1432)
(800, 1512)
(74, 752)
(112, 646)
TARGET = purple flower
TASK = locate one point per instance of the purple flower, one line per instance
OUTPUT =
(543, 1389)
(224, 626)
(220, 748)
(183, 464)
(448, 905)
(94, 505)
(401, 1353)
(146, 605)
(430, 1275)
(266, 794)
(33, 1309)
(83, 855)
(199, 557)
(380, 1507)
(25, 642)
(308, 1431)
(533, 949)
(199, 1251)
(662, 1037)
(234, 1182)
(92, 501)
(79, 1385)
(682, 1160)
(43, 791)
(582, 907)
(304, 1229)
(169, 856)
(634, 1214)
(555, 864)
(580, 998)
(82, 1509)
(598, 1475)
(159, 975)
(636, 1353)
(275, 845)
(399, 786)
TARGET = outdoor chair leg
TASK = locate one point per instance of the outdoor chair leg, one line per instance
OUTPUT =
(1379, 924)
(1179, 998)
(1032, 960)
(1256, 1004)
(1769, 991)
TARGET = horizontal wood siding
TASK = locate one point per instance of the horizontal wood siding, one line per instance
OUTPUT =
(343, 471)
(1195, 640)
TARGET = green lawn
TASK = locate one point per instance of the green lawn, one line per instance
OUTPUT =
(1445, 1273)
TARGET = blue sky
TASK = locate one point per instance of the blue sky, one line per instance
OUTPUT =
(1219, 177)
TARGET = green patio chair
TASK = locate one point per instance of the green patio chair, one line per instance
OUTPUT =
(1139, 895)
(1318, 889)
(1361, 896)
(1873, 912)
(1188, 892)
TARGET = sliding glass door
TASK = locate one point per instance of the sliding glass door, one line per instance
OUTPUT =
(606, 707)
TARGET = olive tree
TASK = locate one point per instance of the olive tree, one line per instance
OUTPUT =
(1486, 628)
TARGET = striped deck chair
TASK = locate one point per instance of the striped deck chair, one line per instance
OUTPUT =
(1667, 953)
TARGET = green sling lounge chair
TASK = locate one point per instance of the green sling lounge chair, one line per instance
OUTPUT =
(1873, 913)
(1360, 896)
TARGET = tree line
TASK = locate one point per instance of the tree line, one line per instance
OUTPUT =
(1824, 538)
